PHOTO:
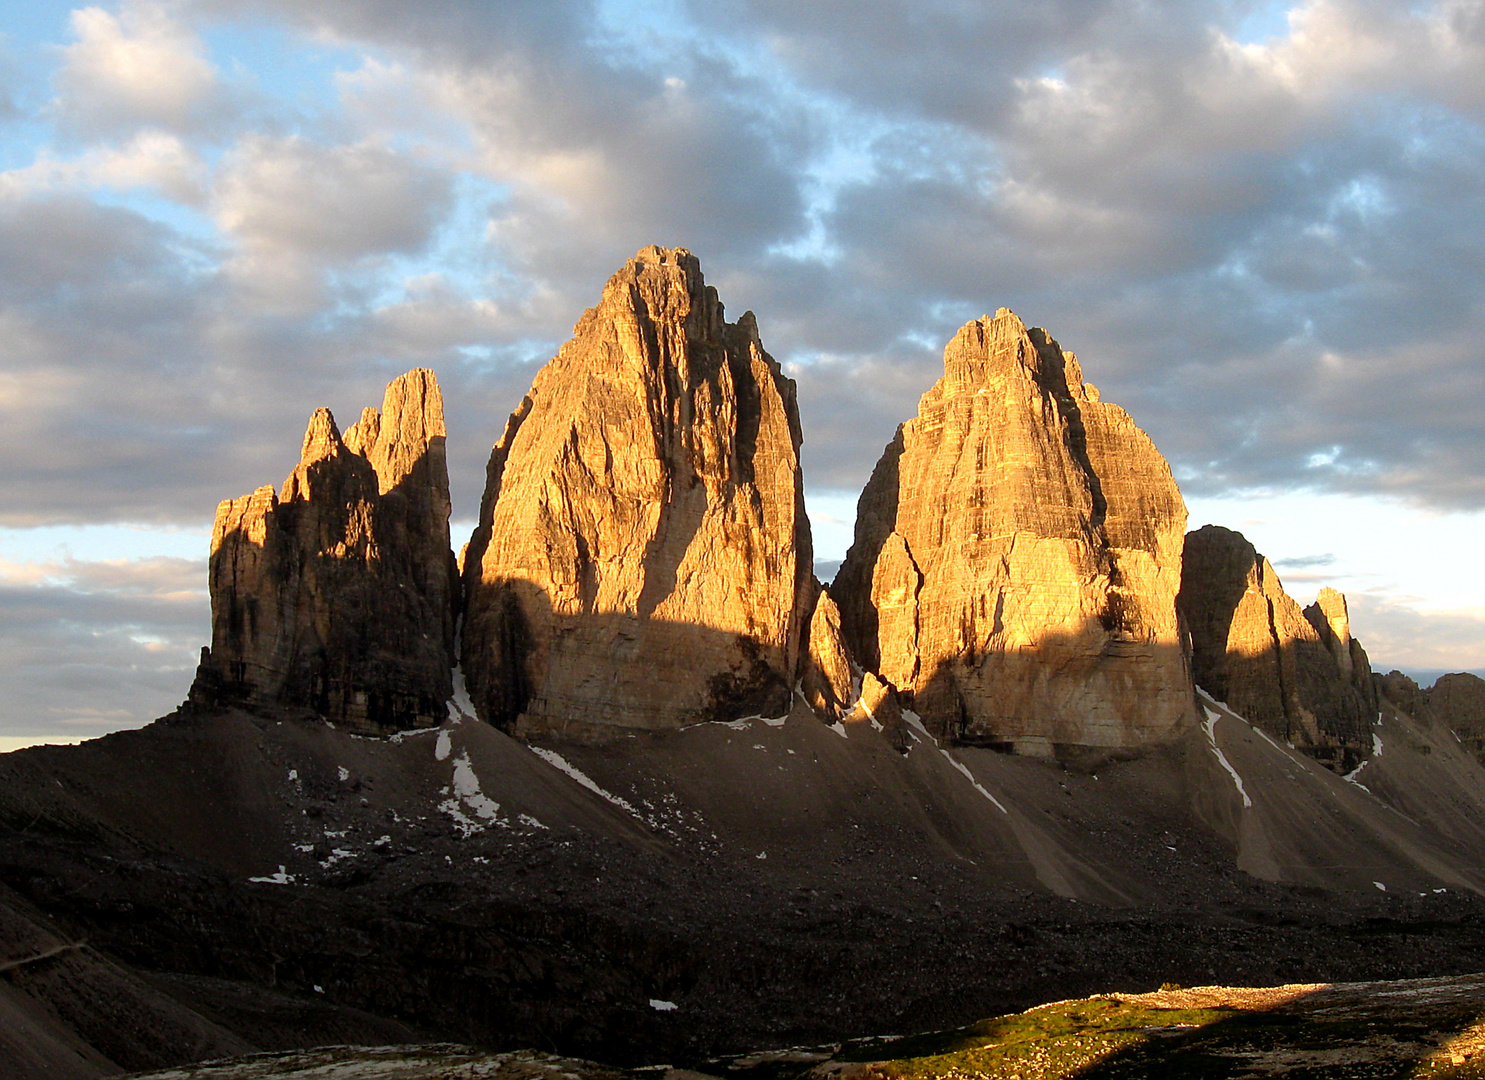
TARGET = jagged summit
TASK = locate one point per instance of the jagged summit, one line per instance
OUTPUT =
(1297, 674)
(338, 593)
(643, 558)
(1017, 557)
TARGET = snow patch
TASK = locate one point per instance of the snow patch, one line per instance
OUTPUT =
(662, 1006)
(461, 708)
(1376, 744)
(839, 729)
(465, 789)
(971, 777)
(444, 746)
(1379, 885)
(280, 878)
(1211, 730)
(735, 725)
(530, 822)
(345, 774)
(294, 776)
(558, 762)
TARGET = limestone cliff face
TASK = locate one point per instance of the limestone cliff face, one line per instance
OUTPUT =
(338, 593)
(1017, 557)
(826, 678)
(1297, 674)
(643, 557)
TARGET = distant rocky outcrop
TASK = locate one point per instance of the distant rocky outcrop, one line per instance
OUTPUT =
(1297, 674)
(1017, 557)
(338, 593)
(643, 559)
(1455, 701)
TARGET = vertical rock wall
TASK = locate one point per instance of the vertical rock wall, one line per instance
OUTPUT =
(1017, 557)
(1295, 673)
(338, 593)
(643, 557)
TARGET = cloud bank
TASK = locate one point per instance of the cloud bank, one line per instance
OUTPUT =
(1260, 226)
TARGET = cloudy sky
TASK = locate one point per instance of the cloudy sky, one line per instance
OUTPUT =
(1261, 226)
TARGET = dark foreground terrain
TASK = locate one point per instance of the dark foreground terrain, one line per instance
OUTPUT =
(219, 884)
(1418, 1028)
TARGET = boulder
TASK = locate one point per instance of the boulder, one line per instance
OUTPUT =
(1297, 674)
(337, 594)
(643, 559)
(1017, 557)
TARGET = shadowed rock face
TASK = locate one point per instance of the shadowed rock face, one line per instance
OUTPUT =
(1455, 701)
(643, 557)
(338, 593)
(1297, 674)
(1017, 557)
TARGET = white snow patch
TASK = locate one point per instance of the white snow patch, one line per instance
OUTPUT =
(557, 761)
(971, 777)
(280, 878)
(294, 776)
(530, 822)
(460, 706)
(444, 746)
(1379, 885)
(1214, 701)
(839, 729)
(735, 725)
(761, 855)
(1270, 739)
(1211, 730)
(915, 725)
(1351, 776)
(774, 721)
(396, 738)
(345, 774)
(662, 1006)
(382, 841)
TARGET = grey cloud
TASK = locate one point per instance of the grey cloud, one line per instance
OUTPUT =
(100, 646)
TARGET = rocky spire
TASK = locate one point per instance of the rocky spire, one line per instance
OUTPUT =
(337, 594)
(643, 557)
(1017, 557)
(1297, 674)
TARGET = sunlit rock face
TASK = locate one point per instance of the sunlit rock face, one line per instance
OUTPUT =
(1296, 673)
(337, 594)
(1017, 557)
(643, 557)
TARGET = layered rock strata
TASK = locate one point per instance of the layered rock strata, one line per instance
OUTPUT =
(1297, 674)
(643, 558)
(338, 593)
(1017, 557)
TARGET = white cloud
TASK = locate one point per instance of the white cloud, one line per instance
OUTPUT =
(150, 159)
(137, 68)
(296, 208)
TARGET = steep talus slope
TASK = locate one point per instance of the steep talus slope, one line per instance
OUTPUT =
(1017, 557)
(337, 594)
(1296, 673)
(643, 558)
(1408, 821)
(778, 880)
